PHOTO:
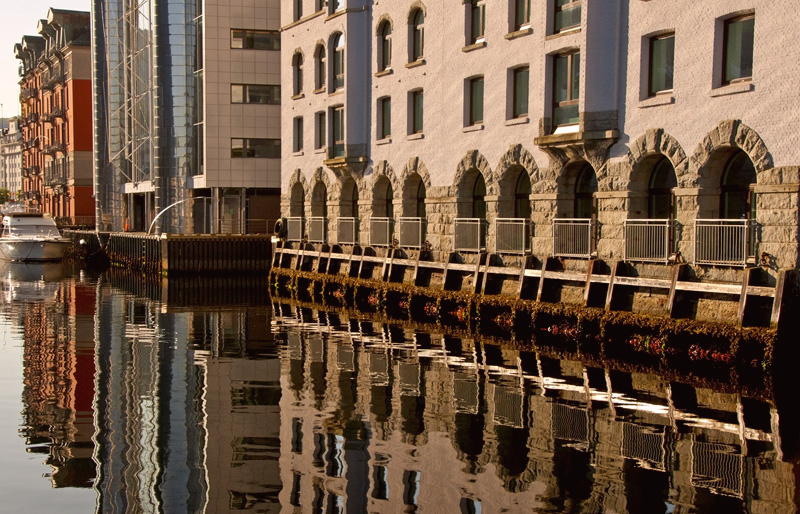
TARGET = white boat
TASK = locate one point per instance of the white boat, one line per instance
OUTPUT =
(31, 236)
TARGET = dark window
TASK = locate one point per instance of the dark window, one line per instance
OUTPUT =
(566, 88)
(298, 9)
(320, 68)
(659, 197)
(662, 58)
(417, 35)
(298, 134)
(420, 198)
(338, 61)
(738, 49)
(297, 68)
(522, 13)
(520, 93)
(476, 101)
(737, 178)
(336, 5)
(261, 148)
(338, 131)
(321, 129)
(522, 196)
(385, 46)
(381, 489)
(567, 14)
(385, 122)
(416, 112)
(255, 94)
(477, 20)
(410, 487)
(479, 197)
(256, 39)
(585, 188)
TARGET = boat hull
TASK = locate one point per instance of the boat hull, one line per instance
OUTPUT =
(33, 249)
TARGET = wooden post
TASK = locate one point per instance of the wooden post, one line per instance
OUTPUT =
(416, 265)
(777, 302)
(676, 273)
(588, 285)
(477, 271)
(486, 272)
(521, 280)
(610, 292)
(746, 273)
(541, 280)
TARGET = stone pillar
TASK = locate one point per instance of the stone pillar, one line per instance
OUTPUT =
(543, 210)
(612, 211)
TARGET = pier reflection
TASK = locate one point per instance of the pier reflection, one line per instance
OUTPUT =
(164, 404)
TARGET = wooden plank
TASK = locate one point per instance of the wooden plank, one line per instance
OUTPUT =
(486, 272)
(361, 262)
(521, 279)
(385, 264)
(477, 271)
(299, 264)
(416, 266)
(777, 306)
(676, 273)
(743, 295)
(588, 283)
(541, 280)
(610, 292)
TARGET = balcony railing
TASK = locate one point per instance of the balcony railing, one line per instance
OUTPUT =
(411, 232)
(573, 237)
(51, 116)
(380, 231)
(723, 242)
(294, 229)
(648, 240)
(512, 235)
(347, 231)
(28, 93)
(317, 229)
(469, 234)
(53, 148)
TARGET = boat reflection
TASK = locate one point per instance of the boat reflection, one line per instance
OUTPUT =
(30, 281)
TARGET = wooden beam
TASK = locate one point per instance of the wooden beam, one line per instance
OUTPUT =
(521, 279)
(541, 280)
(777, 304)
(746, 273)
(477, 271)
(385, 263)
(676, 273)
(588, 283)
(610, 292)
(486, 273)
(416, 265)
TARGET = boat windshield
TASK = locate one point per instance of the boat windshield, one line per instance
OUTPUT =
(34, 230)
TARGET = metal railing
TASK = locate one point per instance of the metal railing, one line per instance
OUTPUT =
(512, 235)
(317, 229)
(294, 228)
(469, 234)
(648, 240)
(347, 231)
(573, 237)
(380, 231)
(411, 232)
(724, 242)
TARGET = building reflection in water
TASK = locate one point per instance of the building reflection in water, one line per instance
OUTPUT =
(276, 408)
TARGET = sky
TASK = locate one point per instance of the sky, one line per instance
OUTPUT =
(19, 18)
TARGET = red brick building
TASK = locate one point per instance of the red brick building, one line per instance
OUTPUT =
(56, 116)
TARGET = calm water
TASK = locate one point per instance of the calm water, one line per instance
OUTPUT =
(119, 395)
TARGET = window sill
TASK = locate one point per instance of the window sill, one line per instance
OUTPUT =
(319, 90)
(298, 96)
(387, 71)
(335, 14)
(474, 46)
(384, 141)
(418, 62)
(336, 93)
(414, 137)
(522, 120)
(659, 99)
(732, 89)
(565, 32)
(473, 128)
(523, 31)
(321, 150)
(298, 153)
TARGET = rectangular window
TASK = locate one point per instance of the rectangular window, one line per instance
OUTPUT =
(298, 134)
(385, 121)
(477, 19)
(259, 148)
(321, 129)
(255, 94)
(522, 13)
(519, 106)
(337, 137)
(298, 9)
(476, 101)
(567, 14)
(738, 49)
(416, 112)
(566, 89)
(662, 58)
(256, 39)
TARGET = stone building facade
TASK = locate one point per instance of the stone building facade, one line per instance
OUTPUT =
(11, 158)
(644, 132)
(56, 116)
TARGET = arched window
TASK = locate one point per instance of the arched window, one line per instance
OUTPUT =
(383, 196)
(659, 190)
(479, 197)
(522, 196)
(319, 200)
(737, 178)
(338, 61)
(296, 206)
(385, 46)
(350, 199)
(420, 200)
(320, 68)
(417, 35)
(297, 71)
(585, 187)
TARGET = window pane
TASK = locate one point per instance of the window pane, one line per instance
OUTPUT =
(237, 39)
(520, 92)
(386, 121)
(575, 90)
(321, 129)
(476, 101)
(662, 55)
(560, 70)
(522, 13)
(567, 17)
(739, 49)
(237, 147)
(417, 100)
(237, 93)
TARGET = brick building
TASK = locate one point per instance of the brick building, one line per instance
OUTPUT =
(56, 116)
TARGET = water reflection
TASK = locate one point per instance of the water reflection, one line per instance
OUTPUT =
(175, 406)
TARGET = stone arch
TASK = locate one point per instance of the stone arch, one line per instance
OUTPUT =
(719, 144)
(319, 177)
(382, 18)
(657, 141)
(416, 5)
(415, 165)
(298, 194)
(516, 156)
(474, 160)
(384, 169)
